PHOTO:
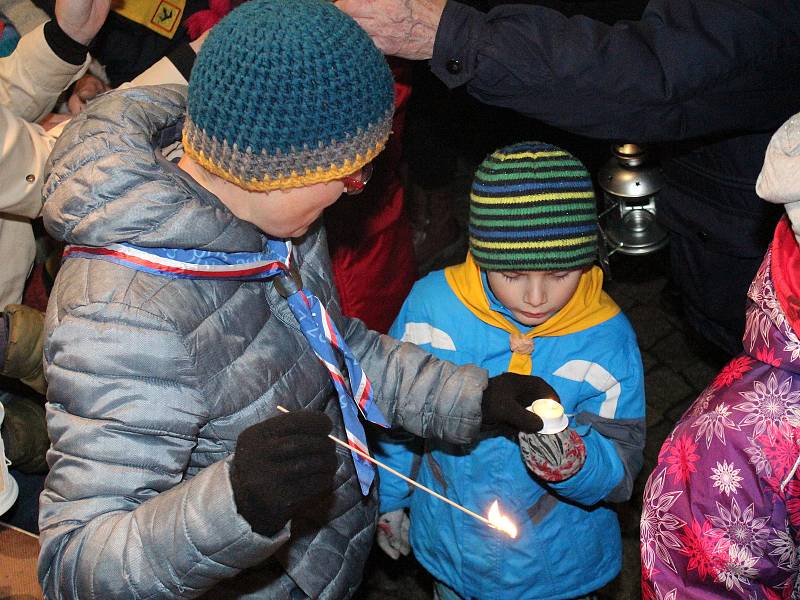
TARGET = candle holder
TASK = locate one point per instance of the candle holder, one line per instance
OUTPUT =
(560, 452)
(552, 415)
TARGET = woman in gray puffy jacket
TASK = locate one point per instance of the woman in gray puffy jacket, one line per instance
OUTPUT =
(196, 298)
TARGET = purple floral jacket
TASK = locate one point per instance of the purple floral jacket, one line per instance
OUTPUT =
(721, 513)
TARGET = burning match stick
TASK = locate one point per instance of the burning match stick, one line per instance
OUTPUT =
(500, 523)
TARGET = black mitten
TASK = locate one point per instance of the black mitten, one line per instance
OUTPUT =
(281, 465)
(505, 400)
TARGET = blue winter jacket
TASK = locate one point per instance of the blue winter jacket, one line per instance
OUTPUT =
(569, 540)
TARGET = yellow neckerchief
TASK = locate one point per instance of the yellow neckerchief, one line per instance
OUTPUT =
(589, 306)
(161, 16)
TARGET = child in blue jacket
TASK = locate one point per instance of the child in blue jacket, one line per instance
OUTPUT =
(527, 300)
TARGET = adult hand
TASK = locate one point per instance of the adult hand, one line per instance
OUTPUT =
(86, 88)
(280, 466)
(82, 19)
(506, 398)
(392, 534)
(404, 28)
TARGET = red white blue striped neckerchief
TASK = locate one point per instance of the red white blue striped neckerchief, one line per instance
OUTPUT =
(355, 393)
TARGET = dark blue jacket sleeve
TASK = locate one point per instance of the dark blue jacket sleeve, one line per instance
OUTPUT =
(686, 68)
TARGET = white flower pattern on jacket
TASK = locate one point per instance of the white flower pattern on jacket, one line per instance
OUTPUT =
(726, 477)
(713, 424)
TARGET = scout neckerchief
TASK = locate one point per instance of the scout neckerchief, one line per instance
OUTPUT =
(161, 16)
(589, 306)
(315, 323)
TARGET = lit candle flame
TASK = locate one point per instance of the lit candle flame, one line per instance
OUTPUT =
(501, 522)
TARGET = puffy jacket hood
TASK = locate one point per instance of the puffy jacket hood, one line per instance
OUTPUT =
(779, 180)
(107, 180)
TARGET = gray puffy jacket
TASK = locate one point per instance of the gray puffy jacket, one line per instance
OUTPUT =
(151, 380)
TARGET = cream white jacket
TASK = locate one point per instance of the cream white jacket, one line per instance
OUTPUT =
(31, 79)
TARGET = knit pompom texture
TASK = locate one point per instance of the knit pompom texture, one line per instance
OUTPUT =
(532, 208)
(287, 93)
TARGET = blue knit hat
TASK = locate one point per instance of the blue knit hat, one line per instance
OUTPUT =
(287, 93)
(532, 208)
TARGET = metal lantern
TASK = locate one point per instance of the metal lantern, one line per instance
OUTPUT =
(630, 185)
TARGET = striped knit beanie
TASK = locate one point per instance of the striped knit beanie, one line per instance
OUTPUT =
(287, 93)
(532, 208)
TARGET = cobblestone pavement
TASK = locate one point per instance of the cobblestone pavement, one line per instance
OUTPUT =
(677, 368)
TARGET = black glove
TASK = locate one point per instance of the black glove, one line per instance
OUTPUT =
(506, 398)
(281, 465)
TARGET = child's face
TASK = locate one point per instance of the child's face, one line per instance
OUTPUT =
(534, 296)
(280, 213)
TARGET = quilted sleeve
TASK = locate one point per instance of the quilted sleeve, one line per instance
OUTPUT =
(426, 396)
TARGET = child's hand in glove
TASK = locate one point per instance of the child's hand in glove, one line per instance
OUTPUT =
(505, 400)
(281, 465)
(392, 533)
(553, 457)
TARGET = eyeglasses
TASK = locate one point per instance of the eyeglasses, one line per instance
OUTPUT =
(355, 183)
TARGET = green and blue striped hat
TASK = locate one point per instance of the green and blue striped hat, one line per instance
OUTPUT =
(532, 208)
(287, 93)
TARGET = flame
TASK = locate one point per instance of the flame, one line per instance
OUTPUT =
(501, 522)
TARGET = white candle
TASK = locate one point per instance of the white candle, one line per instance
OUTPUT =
(551, 413)
(547, 409)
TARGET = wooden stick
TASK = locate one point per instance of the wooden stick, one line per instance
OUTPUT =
(366, 456)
